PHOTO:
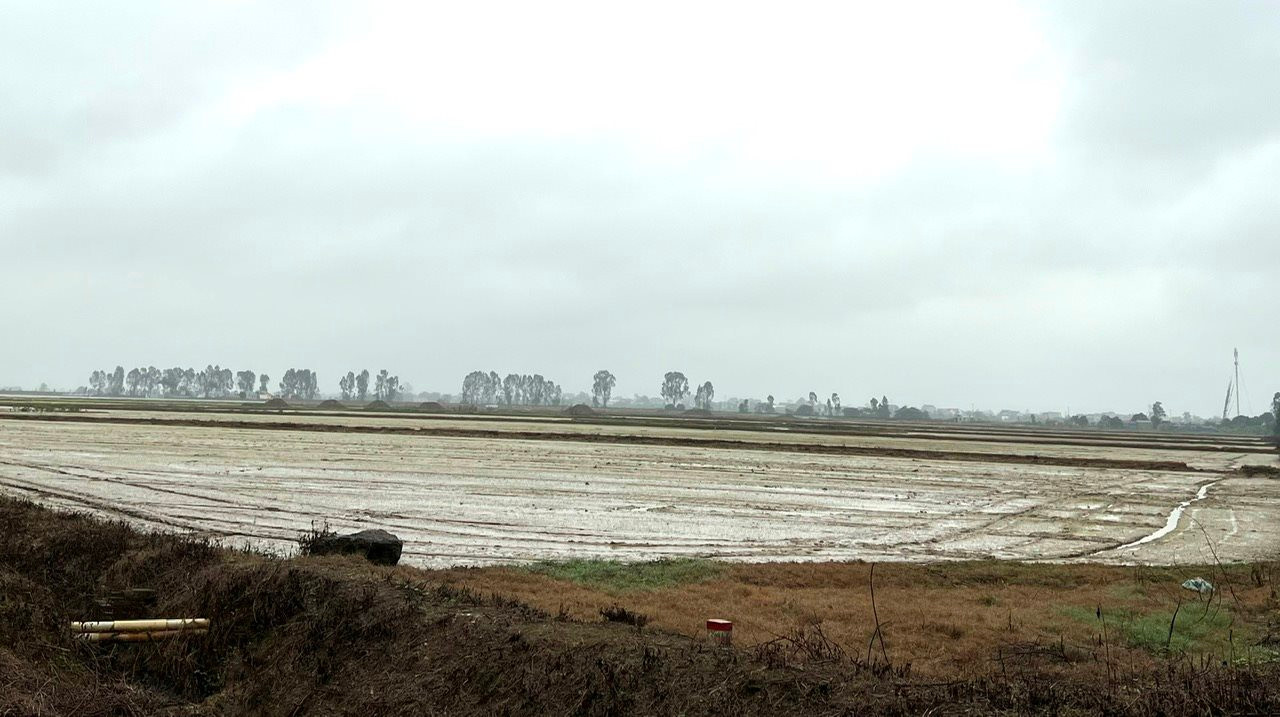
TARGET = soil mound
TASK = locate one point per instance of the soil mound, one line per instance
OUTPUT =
(276, 404)
(330, 405)
(431, 406)
(580, 409)
(377, 406)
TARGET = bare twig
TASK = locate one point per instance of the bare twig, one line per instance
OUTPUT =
(876, 614)
(1222, 572)
(1169, 640)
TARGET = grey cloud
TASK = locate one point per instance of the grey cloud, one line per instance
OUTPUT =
(336, 238)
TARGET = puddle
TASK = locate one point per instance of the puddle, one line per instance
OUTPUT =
(1174, 517)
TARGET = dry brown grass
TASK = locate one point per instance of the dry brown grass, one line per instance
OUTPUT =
(943, 619)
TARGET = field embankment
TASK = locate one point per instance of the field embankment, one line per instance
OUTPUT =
(336, 636)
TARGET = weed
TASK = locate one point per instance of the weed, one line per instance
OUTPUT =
(616, 576)
(308, 538)
(617, 613)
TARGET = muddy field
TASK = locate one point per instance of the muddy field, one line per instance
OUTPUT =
(492, 491)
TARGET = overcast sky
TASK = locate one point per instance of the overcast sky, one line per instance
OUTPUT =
(1028, 206)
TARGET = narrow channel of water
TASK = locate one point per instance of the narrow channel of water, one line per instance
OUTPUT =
(1174, 517)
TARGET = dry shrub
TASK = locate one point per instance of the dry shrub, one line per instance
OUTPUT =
(308, 539)
(617, 613)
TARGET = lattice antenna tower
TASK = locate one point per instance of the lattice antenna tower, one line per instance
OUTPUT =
(1233, 388)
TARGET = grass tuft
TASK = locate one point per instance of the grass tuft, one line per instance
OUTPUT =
(618, 576)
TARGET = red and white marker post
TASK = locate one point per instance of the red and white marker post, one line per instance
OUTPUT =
(720, 631)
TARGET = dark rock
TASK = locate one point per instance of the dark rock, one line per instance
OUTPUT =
(377, 546)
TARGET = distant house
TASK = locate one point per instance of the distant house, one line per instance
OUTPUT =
(265, 395)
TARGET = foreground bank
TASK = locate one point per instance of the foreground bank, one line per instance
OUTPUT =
(334, 635)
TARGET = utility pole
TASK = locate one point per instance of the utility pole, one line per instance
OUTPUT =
(1236, 352)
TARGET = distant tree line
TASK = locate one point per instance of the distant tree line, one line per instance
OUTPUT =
(480, 388)
(300, 383)
(675, 386)
(356, 385)
(177, 382)
(211, 382)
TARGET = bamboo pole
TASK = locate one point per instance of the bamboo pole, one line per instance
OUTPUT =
(185, 623)
(146, 636)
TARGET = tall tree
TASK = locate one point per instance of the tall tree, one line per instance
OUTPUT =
(289, 384)
(244, 382)
(362, 384)
(703, 396)
(171, 381)
(510, 388)
(1157, 414)
(380, 385)
(1275, 414)
(347, 384)
(813, 398)
(264, 382)
(674, 388)
(115, 383)
(98, 382)
(537, 391)
(492, 387)
(133, 381)
(602, 388)
(473, 387)
(835, 403)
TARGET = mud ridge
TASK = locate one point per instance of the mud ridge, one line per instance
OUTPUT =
(678, 441)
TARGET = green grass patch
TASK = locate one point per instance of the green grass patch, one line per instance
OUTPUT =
(618, 576)
(1195, 630)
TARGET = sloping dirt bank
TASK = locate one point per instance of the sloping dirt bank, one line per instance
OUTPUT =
(334, 636)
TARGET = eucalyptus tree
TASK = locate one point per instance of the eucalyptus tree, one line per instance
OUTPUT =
(674, 388)
(602, 388)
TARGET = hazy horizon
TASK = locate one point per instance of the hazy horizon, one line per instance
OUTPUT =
(1005, 205)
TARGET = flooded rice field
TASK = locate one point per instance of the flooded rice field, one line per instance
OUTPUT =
(465, 492)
